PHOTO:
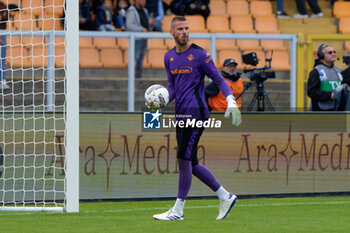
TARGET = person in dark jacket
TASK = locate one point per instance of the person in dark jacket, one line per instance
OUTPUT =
(156, 14)
(103, 17)
(323, 79)
(85, 22)
(119, 15)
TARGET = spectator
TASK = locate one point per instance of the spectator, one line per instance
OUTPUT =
(217, 102)
(120, 13)
(177, 7)
(156, 13)
(302, 12)
(137, 20)
(323, 79)
(280, 10)
(197, 7)
(85, 22)
(4, 15)
(103, 18)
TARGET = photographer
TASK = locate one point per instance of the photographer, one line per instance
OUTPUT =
(324, 78)
(217, 102)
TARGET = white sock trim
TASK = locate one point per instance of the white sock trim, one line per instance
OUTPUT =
(222, 194)
(179, 205)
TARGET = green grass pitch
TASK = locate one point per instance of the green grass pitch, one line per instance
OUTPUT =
(270, 215)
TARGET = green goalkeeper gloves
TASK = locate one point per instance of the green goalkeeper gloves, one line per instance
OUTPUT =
(232, 108)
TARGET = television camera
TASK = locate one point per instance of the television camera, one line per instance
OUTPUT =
(258, 75)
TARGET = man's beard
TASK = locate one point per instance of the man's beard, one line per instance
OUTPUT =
(182, 42)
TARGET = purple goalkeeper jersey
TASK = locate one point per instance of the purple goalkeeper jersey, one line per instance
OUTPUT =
(186, 72)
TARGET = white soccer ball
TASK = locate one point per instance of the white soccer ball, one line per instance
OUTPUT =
(157, 97)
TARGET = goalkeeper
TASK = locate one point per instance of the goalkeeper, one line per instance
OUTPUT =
(186, 66)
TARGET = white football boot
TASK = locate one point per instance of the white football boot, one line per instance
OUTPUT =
(226, 206)
(169, 215)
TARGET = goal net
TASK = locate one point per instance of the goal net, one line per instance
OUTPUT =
(39, 105)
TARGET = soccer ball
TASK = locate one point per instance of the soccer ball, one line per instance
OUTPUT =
(157, 97)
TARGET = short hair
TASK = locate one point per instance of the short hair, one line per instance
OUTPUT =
(177, 18)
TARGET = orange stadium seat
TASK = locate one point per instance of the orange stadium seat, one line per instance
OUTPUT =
(112, 58)
(341, 9)
(33, 7)
(261, 57)
(156, 43)
(38, 56)
(218, 23)
(145, 63)
(196, 23)
(344, 25)
(103, 43)
(248, 44)
(156, 58)
(17, 56)
(242, 24)
(54, 7)
(268, 45)
(59, 58)
(13, 40)
(89, 58)
(266, 24)
(25, 22)
(235, 7)
(85, 42)
(166, 22)
(217, 7)
(261, 8)
(204, 43)
(223, 44)
(347, 46)
(123, 43)
(280, 60)
(234, 54)
(59, 41)
(30, 41)
(169, 43)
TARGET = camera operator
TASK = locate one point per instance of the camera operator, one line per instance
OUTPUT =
(217, 102)
(324, 78)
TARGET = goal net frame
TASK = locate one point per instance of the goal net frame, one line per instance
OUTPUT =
(70, 131)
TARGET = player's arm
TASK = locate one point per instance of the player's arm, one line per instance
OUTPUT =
(171, 81)
(212, 72)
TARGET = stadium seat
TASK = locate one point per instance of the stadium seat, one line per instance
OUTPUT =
(261, 8)
(25, 22)
(235, 7)
(248, 44)
(341, 9)
(217, 7)
(103, 43)
(33, 7)
(123, 43)
(59, 41)
(85, 42)
(204, 43)
(344, 25)
(13, 40)
(268, 45)
(48, 23)
(166, 22)
(242, 24)
(266, 24)
(59, 58)
(145, 63)
(89, 58)
(156, 43)
(196, 23)
(234, 54)
(30, 41)
(280, 60)
(39, 56)
(169, 43)
(223, 44)
(112, 58)
(156, 58)
(261, 57)
(54, 7)
(218, 23)
(17, 56)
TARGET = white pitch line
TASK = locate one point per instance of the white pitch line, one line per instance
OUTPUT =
(192, 207)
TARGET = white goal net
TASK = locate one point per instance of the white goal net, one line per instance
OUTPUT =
(38, 112)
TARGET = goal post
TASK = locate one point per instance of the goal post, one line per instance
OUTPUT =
(39, 106)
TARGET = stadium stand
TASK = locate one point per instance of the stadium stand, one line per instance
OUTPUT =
(112, 58)
(105, 43)
(59, 59)
(222, 44)
(266, 24)
(341, 9)
(248, 45)
(268, 45)
(236, 7)
(204, 43)
(197, 23)
(217, 7)
(156, 43)
(145, 64)
(156, 58)
(280, 60)
(242, 24)
(89, 58)
(344, 25)
(261, 8)
(218, 23)
(86, 42)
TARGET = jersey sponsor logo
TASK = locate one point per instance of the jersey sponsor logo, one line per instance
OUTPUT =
(323, 76)
(182, 70)
(190, 57)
